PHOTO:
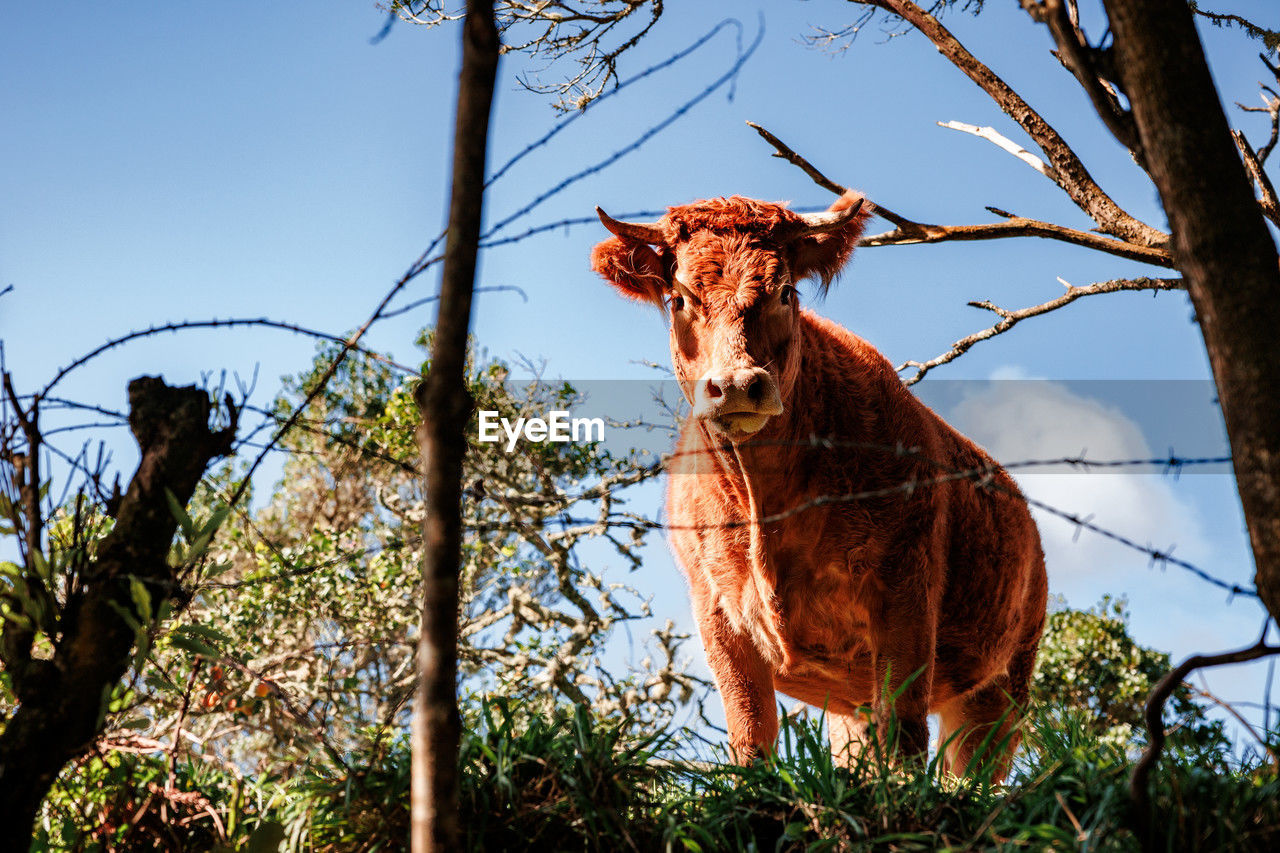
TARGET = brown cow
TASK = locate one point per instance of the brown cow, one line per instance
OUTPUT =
(835, 602)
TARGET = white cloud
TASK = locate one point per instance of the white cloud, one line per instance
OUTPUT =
(1041, 419)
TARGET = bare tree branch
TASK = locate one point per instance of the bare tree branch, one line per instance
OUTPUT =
(1271, 105)
(556, 30)
(1271, 38)
(996, 138)
(1091, 67)
(1009, 319)
(1138, 783)
(909, 231)
(63, 700)
(1253, 165)
(1071, 174)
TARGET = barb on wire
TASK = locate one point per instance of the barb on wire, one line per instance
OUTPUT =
(184, 325)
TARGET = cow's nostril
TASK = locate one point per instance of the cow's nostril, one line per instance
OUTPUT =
(713, 390)
(755, 391)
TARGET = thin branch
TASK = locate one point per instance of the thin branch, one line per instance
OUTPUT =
(909, 231)
(1253, 165)
(1271, 106)
(1271, 38)
(28, 467)
(1009, 319)
(1138, 782)
(1071, 174)
(1203, 690)
(570, 119)
(1017, 226)
(728, 76)
(1090, 66)
(996, 138)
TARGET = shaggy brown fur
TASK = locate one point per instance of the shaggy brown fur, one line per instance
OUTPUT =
(942, 588)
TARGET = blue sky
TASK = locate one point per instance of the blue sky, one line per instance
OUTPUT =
(247, 159)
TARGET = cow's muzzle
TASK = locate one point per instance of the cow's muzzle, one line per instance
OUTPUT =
(737, 402)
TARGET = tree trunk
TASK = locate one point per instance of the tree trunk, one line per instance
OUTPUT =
(63, 701)
(446, 407)
(1221, 244)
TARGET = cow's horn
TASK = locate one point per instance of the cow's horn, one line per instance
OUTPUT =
(645, 232)
(822, 223)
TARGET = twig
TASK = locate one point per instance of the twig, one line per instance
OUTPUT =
(1203, 690)
(177, 737)
(1139, 792)
(28, 465)
(1070, 173)
(1089, 65)
(909, 231)
(996, 138)
(728, 76)
(1009, 319)
(1253, 164)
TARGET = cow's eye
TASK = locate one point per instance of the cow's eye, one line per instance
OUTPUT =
(677, 303)
(787, 295)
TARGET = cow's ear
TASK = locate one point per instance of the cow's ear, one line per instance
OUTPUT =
(634, 268)
(824, 255)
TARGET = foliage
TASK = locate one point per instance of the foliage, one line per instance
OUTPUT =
(551, 30)
(119, 799)
(572, 780)
(1089, 667)
(292, 654)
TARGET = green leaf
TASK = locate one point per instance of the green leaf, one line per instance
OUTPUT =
(208, 633)
(141, 599)
(180, 515)
(195, 646)
(41, 565)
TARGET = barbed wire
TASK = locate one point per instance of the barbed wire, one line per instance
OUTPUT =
(651, 70)
(215, 323)
(982, 476)
(728, 76)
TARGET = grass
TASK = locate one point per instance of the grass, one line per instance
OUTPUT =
(570, 782)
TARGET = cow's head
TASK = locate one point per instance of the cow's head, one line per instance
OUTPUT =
(725, 272)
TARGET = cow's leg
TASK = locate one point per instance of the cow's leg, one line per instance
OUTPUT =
(993, 710)
(909, 705)
(902, 652)
(850, 734)
(745, 680)
(988, 714)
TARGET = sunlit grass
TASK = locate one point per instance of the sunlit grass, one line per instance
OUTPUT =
(567, 781)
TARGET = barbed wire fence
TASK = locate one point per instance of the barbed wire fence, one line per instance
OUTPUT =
(530, 513)
(41, 517)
